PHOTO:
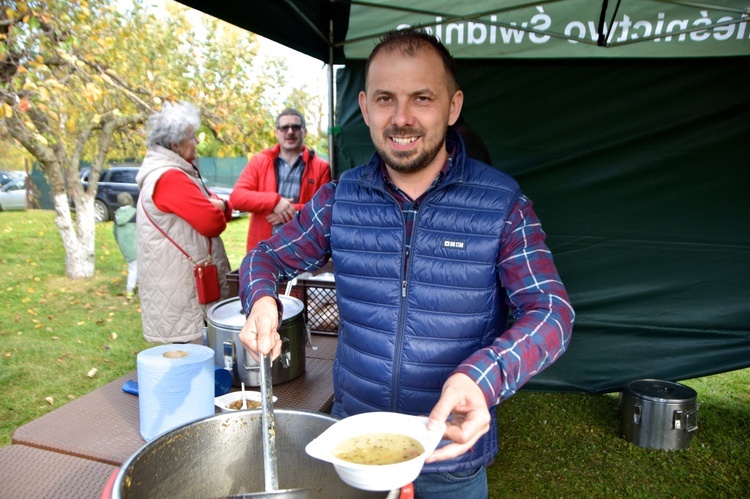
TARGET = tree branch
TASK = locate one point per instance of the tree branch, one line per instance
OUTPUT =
(110, 78)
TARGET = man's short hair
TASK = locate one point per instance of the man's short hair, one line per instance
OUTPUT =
(409, 41)
(291, 112)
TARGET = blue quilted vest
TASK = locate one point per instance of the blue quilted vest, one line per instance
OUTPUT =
(403, 330)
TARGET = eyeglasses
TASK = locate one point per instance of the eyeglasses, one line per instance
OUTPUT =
(285, 128)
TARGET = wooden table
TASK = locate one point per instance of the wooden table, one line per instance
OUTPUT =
(94, 434)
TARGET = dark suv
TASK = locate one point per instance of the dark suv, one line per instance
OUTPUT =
(117, 179)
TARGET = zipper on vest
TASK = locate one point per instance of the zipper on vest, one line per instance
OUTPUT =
(398, 353)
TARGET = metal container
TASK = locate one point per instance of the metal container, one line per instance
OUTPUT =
(659, 414)
(222, 456)
(225, 321)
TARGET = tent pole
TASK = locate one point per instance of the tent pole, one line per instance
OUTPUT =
(331, 158)
(602, 39)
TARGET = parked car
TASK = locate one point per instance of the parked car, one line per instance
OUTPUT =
(113, 181)
(224, 193)
(8, 175)
(5, 177)
(13, 195)
(121, 178)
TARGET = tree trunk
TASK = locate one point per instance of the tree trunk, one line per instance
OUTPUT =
(78, 237)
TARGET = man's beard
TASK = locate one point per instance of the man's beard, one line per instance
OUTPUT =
(403, 162)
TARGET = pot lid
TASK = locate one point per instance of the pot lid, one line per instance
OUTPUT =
(292, 306)
(228, 313)
(660, 391)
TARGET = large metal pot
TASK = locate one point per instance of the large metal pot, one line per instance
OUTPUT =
(225, 321)
(222, 456)
(659, 414)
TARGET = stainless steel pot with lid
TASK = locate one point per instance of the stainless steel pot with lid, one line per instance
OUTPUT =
(225, 320)
(659, 414)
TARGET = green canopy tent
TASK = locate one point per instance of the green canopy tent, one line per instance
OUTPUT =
(627, 123)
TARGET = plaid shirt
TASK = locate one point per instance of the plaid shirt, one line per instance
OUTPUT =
(409, 207)
(537, 298)
(289, 177)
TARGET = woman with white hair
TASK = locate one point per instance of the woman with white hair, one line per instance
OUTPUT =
(179, 223)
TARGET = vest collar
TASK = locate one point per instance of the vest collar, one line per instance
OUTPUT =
(371, 171)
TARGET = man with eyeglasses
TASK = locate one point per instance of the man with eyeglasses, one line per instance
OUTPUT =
(277, 182)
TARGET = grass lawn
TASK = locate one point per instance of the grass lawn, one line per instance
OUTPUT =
(60, 339)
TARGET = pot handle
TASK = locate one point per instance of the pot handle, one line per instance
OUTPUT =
(228, 356)
(407, 491)
(285, 358)
(686, 420)
(110, 485)
(309, 336)
(637, 413)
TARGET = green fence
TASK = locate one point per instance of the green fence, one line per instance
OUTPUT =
(221, 172)
(41, 198)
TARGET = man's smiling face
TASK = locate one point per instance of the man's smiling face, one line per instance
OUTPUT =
(408, 105)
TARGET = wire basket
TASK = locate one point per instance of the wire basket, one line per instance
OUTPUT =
(321, 306)
(319, 297)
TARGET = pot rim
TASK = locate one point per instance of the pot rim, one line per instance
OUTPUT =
(124, 468)
(660, 391)
(293, 309)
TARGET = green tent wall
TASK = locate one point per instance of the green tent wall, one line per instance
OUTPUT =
(635, 155)
(638, 171)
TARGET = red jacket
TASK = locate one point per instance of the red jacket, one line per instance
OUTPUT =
(256, 190)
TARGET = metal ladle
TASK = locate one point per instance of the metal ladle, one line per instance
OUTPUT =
(268, 423)
(270, 470)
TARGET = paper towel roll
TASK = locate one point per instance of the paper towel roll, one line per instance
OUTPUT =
(175, 386)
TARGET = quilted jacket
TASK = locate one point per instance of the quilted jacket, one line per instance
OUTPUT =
(170, 310)
(256, 189)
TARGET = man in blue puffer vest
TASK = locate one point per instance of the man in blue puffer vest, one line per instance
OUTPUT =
(430, 247)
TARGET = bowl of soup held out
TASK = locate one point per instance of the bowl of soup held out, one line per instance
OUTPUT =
(377, 450)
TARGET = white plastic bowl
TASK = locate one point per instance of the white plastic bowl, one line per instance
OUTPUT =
(223, 401)
(376, 477)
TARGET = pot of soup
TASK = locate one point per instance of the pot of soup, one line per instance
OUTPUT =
(225, 320)
(222, 456)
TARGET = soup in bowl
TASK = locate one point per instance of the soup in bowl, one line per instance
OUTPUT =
(377, 450)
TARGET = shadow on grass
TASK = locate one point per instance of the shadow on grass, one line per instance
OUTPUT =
(570, 445)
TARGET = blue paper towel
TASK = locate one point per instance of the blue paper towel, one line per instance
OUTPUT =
(175, 386)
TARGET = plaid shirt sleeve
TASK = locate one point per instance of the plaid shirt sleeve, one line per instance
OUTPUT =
(539, 304)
